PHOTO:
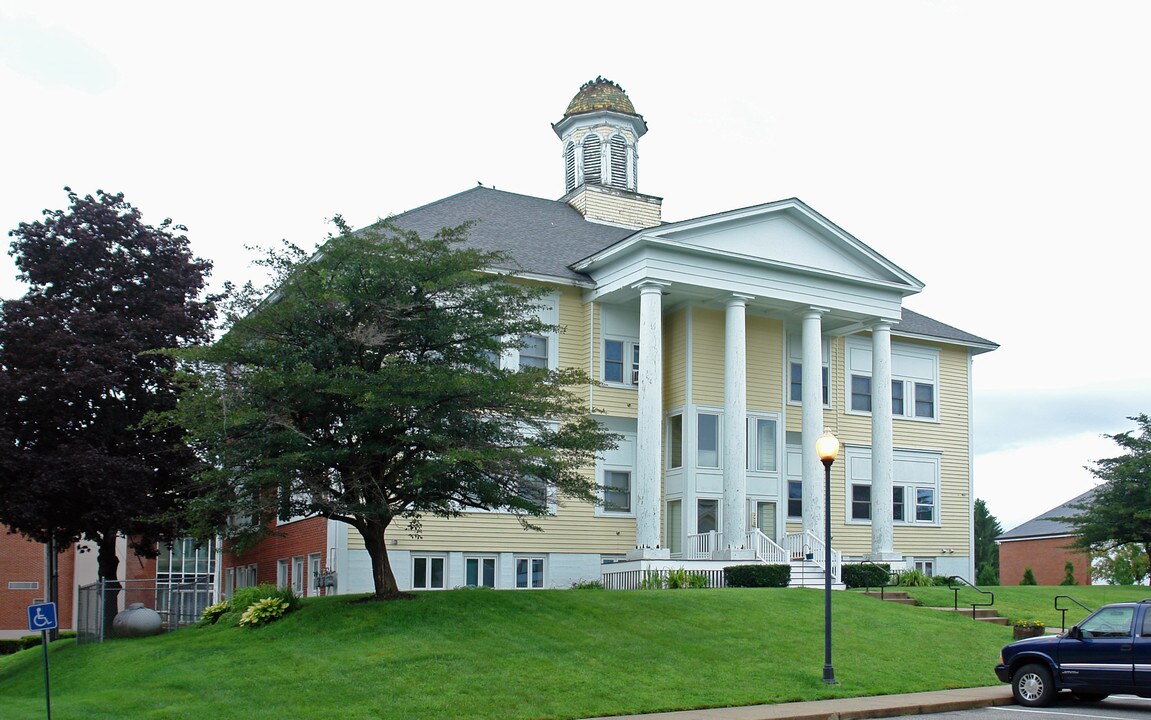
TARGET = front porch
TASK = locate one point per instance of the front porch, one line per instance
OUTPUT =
(708, 554)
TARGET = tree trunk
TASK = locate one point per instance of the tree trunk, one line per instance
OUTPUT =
(108, 569)
(382, 576)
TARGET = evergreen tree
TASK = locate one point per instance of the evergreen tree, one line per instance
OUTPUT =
(1028, 577)
(987, 528)
(1069, 574)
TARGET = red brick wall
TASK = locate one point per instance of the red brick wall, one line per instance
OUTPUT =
(1046, 557)
(299, 538)
(22, 560)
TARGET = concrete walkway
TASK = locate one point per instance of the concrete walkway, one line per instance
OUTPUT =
(880, 706)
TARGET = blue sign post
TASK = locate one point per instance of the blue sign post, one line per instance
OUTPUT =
(42, 617)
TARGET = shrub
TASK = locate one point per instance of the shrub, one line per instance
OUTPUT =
(14, 645)
(866, 575)
(264, 611)
(987, 575)
(940, 580)
(1030, 624)
(243, 598)
(915, 578)
(1069, 574)
(1028, 577)
(681, 578)
(212, 613)
(587, 585)
(757, 575)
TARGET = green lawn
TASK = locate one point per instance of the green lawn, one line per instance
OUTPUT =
(488, 654)
(1037, 603)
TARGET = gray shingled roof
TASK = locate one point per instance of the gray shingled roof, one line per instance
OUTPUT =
(1046, 525)
(546, 237)
(543, 236)
(912, 323)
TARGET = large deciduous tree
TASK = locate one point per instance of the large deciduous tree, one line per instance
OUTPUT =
(366, 385)
(1119, 511)
(77, 378)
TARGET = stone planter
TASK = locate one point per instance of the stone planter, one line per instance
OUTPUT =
(1027, 632)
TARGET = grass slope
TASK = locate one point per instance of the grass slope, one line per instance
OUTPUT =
(487, 654)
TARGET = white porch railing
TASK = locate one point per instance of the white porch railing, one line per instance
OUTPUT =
(710, 546)
(799, 545)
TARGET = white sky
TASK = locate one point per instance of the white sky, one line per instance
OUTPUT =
(998, 151)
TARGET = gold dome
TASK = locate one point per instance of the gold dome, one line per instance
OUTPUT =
(600, 94)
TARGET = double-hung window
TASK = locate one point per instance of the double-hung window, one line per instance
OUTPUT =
(762, 445)
(914, 379)
(914, 486)
(617, 491)
(621, 362)
(707, 440)
(541, 350)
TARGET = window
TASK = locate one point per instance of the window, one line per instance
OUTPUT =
(282, 579)
(23, 585)
(534, 352)
(794, 498)
(621, 362)
(762, 446)
(427, 573)
(535, 491)
(529, 572)
(617, 491)
(299, 585)
(797, 383)
(915, 479)
(860, 502)
(927, 567)
(861, 393)
(707, 516)
(675, 441)
(592, 158)
(480, 572)
(924, 505)
(314, 567)
(707, 440)
(675, 526)
(795, 359)
(914, 379)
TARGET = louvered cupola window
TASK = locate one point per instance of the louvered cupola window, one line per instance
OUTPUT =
(592, 157)
(618, 162)
(570, 167)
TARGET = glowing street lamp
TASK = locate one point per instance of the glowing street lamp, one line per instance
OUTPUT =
(827, 447)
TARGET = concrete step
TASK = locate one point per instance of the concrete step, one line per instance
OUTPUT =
(987, 615)
(895, 596)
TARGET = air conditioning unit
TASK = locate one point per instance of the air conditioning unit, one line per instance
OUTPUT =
(635, 376)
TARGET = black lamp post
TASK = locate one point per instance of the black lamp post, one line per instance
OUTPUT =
(827, 447)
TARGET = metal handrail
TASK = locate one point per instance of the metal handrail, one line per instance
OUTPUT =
(891, 575)
(955, 591)
(1063, 616)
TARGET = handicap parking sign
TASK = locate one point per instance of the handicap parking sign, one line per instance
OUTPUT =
(42, 616)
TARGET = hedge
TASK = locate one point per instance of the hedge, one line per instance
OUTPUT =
(757, 575)
(14, 645)
(867, 575)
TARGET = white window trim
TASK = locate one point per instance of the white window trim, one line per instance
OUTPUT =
(530, 558)
(547, 310)
(428, 577)
(753, 443)
(630, 366)
(694, 433)
(853, 453)
(854, 344)
(683, 440)
(479, 558)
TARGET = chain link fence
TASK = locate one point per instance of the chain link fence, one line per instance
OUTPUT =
(179, 604)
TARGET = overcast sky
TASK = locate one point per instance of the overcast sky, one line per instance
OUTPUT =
(999, 151)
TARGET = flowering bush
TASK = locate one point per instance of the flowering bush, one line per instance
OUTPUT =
(1030, 624)
(212, 613)
(264, 611)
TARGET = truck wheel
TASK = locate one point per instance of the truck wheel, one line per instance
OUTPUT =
(1032, 686)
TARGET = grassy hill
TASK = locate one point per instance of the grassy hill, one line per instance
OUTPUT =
(487, 654)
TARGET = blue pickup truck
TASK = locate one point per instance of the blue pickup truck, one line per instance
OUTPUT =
(1108, 653)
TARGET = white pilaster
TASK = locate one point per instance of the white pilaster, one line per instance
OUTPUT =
(649, 422)
(812, 380)
(882, 463)
(735, 425)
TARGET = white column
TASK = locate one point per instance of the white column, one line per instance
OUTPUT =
(812, 380)
(735, 426)
(649, 423)
(882, 463)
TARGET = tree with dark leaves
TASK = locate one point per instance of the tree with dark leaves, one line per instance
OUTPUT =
(78, 378)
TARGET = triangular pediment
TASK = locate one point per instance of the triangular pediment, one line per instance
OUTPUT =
(787, 234)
